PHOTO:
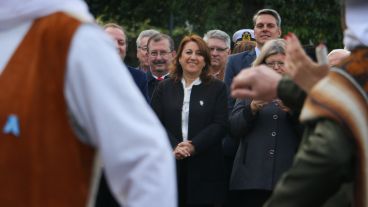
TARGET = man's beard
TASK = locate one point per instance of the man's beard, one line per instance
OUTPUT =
(160, 69)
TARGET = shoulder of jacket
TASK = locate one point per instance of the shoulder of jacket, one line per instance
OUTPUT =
(216, 83)
(237, 55)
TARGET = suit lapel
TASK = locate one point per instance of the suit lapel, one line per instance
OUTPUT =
(248, 58)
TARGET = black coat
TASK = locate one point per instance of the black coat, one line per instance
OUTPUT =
(140, 79)
(201, 177)
(268, 143)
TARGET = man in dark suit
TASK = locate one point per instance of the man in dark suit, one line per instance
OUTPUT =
(267, 25)
(140, 79)
(160, 49)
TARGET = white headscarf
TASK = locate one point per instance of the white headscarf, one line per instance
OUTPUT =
(357, 23)
(13, 12)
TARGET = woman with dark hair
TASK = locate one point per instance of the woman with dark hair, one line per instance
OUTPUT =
(192, 106)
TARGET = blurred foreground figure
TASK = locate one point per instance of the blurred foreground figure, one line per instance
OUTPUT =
(336, 56)
(57, 70)
(330, 168)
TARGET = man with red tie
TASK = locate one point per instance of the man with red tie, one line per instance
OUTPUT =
(160, 51)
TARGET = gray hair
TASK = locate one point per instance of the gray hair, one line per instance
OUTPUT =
(272, 47)
(158, 37)
(217, 34)
(271, 12)
(145, 33)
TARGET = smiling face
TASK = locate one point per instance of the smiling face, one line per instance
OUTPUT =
(191, 60)
(266, 29)
(159, 56)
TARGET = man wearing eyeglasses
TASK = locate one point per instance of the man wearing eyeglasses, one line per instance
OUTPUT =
(219, 44)
(267, 26)
(160, 51)
(142, 49)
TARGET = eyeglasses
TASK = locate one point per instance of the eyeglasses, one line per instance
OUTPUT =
(144, 48)
(275, 63)
(162, 53)
(218, 49)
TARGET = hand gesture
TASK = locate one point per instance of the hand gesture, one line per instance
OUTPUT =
(183, 150)
(259, 83)
(281, 105)
(300, 67)
(257, 105)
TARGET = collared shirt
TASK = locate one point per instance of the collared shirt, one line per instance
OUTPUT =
(186, 103)
(138, 163)
(162, 77)
(258, 51)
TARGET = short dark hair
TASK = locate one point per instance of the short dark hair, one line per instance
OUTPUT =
(176, 71)
(271, 12)
(158, 37)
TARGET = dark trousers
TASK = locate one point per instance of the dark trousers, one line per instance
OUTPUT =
(104, 195)
(248, 198)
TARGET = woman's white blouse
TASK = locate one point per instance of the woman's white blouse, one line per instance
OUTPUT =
(185, 109)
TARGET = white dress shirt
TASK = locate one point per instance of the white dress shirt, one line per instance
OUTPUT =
(185, 108)
(107, 105)
(258, 51)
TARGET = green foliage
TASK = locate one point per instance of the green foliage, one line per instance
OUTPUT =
(312, 21)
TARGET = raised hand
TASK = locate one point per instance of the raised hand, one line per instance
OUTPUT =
(300, 67)
(257, 105)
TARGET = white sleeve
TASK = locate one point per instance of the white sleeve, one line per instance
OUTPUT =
(103, 99)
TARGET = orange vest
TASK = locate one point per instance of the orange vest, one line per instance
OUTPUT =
(46, 165)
